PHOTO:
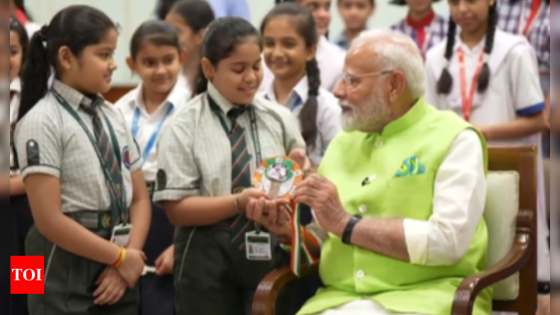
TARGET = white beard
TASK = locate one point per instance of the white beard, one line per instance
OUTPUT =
(371, 114)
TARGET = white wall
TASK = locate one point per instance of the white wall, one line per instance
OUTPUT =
(131, 13)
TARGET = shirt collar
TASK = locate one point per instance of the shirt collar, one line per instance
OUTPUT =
(422, 23)
(74, 98)
(342, 41)
(297, 97)
(407, 120)
(223, 103)
(175, 97)
(15, 85)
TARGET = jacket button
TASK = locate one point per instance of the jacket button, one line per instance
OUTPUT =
(363, 209)
(360, 274)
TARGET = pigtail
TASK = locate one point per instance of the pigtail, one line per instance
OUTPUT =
(308, 115)
(445, 81)
(36, 73)
(484, 77)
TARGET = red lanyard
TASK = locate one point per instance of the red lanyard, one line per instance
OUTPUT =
(467, 99)
(535, 6)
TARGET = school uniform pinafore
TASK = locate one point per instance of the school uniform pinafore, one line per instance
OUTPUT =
(64, 136)
(197, 157)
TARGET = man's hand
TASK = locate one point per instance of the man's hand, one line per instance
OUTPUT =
(164, 263)
(322, 196)
(111, 287)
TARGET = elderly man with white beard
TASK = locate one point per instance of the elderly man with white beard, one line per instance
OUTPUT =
(399, 196)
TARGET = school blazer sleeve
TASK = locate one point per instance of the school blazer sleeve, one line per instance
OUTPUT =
(38, 142)
(528, 98)
(178, 176)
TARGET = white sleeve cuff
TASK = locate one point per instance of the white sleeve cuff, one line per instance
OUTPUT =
(416, 237)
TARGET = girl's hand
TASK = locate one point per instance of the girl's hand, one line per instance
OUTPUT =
(111, 287)
(246, 195)
(164, 263)
(132, 267)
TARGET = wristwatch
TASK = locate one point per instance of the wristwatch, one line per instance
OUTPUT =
(347, 234)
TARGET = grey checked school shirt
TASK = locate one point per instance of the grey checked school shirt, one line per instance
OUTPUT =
(509, 21)
(194, 152)
(65, 151)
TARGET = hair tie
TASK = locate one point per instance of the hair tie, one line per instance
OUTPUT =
(43, 33)
(445, 63)
(486, 57)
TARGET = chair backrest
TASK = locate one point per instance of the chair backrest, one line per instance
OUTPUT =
(512, 186)
(500, 215)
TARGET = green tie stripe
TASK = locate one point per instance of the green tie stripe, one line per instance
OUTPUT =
(240, 178)
(106, 149)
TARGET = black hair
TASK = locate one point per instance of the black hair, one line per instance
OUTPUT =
(305, 26)
(445, 81)
(403, 2)
(197, 14)
(371, 2)
(20, 5)
(156, 32)
(16, 26)
(75, 27)
(220, 40)
(164, 6)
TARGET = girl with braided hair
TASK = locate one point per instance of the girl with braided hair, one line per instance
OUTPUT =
(491, 78)
(289, 38)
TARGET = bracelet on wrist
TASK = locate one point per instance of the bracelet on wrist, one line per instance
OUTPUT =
(120, 259)
(236, 204)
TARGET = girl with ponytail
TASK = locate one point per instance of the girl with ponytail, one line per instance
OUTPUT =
(290, 38)
(81, 169)
(491, 78)
(205, 156)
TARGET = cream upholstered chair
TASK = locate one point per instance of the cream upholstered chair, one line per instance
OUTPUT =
(511, 218)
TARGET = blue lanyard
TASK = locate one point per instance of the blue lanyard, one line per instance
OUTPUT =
(153, 138)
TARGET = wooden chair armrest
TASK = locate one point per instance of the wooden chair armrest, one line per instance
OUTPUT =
(264, 302)
(517, 257)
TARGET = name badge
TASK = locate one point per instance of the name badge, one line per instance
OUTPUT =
(258, 246)
(121, 234)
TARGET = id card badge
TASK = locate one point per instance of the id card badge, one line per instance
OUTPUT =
(258, 246)
(121, 234)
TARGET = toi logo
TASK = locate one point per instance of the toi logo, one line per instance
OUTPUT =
(27, 275)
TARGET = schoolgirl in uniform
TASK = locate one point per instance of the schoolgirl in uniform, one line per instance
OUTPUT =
(190, 18)
(206, 156)
(289, 38)
(18, 200)
(490, 78)
(330, 57)
(531, 19)
(156, 56)
(355, 14)
(422, 24)
(81, 170)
